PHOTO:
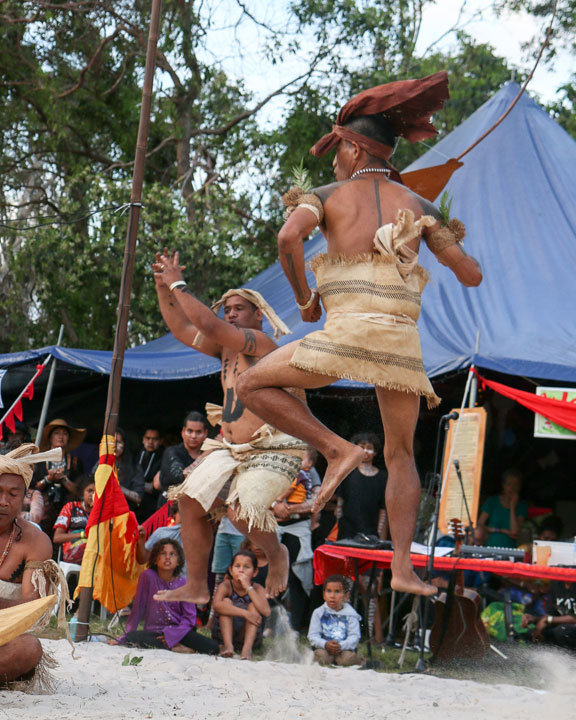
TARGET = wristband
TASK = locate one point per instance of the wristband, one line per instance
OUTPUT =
(274, 504)
(177, 283)
(550, 619)
(309, 303)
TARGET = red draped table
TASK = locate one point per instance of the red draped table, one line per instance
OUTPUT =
(337, 559)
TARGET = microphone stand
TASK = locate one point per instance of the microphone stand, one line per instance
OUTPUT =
(437, 481)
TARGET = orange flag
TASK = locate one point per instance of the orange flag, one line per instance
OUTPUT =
(109, 564)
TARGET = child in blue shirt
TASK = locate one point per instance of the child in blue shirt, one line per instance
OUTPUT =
(334, 630)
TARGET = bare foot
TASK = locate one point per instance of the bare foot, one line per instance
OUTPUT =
(179, 648)
(339, 466)
(186, 593)
(246, 655)
(409, 582)
(278, 567)
(227, 652)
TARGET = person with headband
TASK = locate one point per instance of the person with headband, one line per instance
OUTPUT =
(27, 572)
(370, 284)
(253, 463)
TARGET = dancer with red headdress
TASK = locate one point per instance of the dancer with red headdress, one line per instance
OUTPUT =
(370, 285)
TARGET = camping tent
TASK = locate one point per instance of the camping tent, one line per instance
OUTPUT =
(514, 194)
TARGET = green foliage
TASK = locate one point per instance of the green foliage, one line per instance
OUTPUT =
(136, 660)
(445, 206)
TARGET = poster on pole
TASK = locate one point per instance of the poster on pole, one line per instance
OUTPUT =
(544, 428)
(464, 443)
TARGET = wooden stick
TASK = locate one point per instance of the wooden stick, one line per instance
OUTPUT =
(113, 399)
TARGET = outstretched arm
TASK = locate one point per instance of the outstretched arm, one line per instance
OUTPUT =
(175, 318)
(217, 331)
(291, 252)
(466, 268)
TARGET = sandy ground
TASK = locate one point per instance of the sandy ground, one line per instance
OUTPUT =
(167, 685)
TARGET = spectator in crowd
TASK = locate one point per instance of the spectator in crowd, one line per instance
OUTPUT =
(166, 532)
(58, 481)
(70, 526)
(261, 560)
(294, 512)
(240, 605)
(334, 631)
(150, 460)
(226, 544)
(558, 626)
(169, 625)
(361, 496)
(33, 507)
(503, 515)
(14, 439)
(551, 528)
(362, 510)
(178, 460)
(130, 475)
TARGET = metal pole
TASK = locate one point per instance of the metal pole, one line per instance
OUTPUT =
(48, 393)
(113, 400)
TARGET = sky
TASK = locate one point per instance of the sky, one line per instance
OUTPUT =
(506, 33)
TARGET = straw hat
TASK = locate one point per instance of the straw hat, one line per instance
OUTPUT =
(76, 434)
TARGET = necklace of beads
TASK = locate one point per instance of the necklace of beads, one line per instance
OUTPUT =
(386, 172)
(8, 544)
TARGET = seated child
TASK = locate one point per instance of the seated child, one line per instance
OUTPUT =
(334, 630)
(239, 606)
(168, 625)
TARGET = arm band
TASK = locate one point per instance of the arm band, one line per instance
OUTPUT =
(450, 234)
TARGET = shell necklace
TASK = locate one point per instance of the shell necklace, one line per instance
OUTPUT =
(386, 172)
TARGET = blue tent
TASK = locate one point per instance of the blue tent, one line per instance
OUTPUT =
(514, 194)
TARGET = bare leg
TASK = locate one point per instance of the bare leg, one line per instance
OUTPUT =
(197, 537)
(260, 388)
(277, 554)
(399, 412)
(227, 629)
(19, 657)
(250, 631)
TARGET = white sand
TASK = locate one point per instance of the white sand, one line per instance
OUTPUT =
(167, 685)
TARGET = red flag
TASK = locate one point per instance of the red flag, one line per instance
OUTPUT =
(561, 412)
(109, 564)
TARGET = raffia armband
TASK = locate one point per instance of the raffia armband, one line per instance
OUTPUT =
(296, 197)
(450, 234)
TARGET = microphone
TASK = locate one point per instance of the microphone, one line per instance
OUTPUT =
(454, 415)
(457, 465)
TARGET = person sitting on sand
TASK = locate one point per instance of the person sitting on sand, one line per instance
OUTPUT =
(240, 604)
(167, 625)
(334, 630)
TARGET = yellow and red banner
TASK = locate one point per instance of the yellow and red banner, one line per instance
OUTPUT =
(109, 564)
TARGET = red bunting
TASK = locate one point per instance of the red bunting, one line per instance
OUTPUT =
(9, 422)
(17, 410)
(561, 412)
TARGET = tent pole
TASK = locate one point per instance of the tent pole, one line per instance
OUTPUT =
(113, 400)
(48, 393)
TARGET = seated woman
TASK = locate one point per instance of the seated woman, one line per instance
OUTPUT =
(502, 516)
(167, 625)
(240, 604)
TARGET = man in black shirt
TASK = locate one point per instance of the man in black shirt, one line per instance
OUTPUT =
(361, 503)
(177, 461)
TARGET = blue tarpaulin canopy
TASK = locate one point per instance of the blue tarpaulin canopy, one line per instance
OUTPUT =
(515, 194)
